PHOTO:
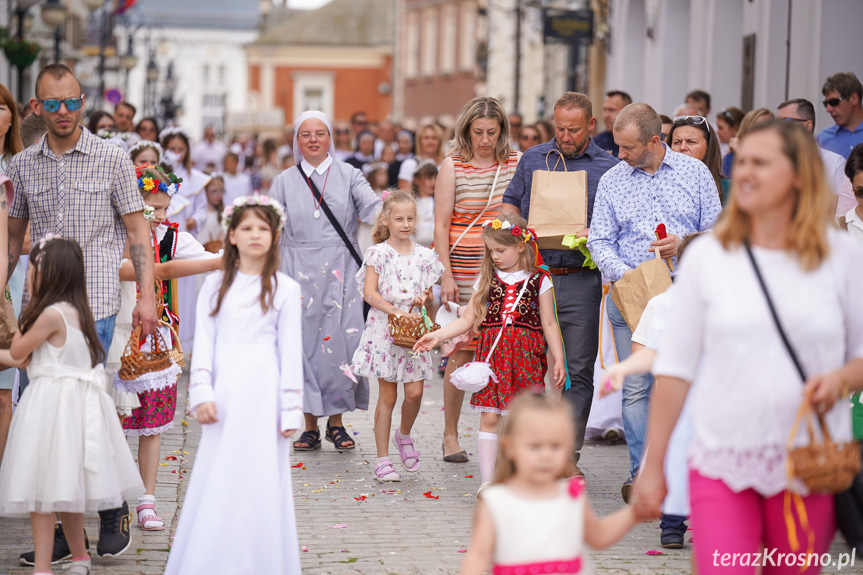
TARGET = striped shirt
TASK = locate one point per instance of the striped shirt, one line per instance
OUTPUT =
(81, 195)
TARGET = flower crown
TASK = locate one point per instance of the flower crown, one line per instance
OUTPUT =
(526, 234)
(107, 134)
(142, 144)
(148, 181)
(253, 200)
(42, 243)
(174, 130)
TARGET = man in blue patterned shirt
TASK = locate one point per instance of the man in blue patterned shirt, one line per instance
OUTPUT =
(652, 185)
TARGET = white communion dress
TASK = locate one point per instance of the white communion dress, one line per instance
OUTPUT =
(239, 518)
(538, 536)
(66, 451)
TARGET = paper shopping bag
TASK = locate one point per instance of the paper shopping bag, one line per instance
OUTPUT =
(8, 323)
(558, 204)
(632, 292)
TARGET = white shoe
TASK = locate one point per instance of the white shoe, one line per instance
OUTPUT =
(482, 488)
(79, 568)
(611, 434)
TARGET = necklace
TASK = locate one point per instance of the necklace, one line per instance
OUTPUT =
(317, 212)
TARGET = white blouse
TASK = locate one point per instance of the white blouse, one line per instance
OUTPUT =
(745, 389)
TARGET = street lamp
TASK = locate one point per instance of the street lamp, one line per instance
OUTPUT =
(128, 61)
(21, 8)
(54, 16)
(94, 5)
(152, 78)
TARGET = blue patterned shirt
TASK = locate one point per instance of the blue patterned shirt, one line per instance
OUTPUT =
(630, 203)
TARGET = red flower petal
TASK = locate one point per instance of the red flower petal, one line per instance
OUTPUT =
(430, 496)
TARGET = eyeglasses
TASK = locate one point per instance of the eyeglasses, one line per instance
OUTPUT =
(342, 131)
(832, 102)
(692, 121)
(51, 105)
(526, 137)
(308, 135)
(794, 120)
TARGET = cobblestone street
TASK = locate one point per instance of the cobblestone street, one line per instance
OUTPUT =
(352, 525)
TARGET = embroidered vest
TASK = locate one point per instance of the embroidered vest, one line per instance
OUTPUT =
(502, 296)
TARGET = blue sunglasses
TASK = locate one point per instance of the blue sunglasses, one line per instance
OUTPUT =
(53, 104)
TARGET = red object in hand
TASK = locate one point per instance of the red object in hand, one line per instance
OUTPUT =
(661, 234)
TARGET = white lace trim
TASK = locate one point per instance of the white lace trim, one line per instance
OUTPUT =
(149, 430)
(124, 411)
(200, 376)
(292, 399)
(763, 469)
(149, 381)
(484, 409)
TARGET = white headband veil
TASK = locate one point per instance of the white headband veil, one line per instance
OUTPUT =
(298, 157)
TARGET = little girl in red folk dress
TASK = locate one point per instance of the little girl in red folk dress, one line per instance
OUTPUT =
(513, 309)
(157, 392)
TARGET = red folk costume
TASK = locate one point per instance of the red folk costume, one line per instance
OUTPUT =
(519, 360)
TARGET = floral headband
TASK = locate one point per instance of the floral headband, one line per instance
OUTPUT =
(148, 181)
(42, 243)
(526, 234)
(143, 144)
(172, 131)
(253, 200)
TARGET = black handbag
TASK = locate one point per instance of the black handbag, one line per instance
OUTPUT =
(335, 223)
(848, 504)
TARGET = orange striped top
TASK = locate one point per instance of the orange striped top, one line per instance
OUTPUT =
(472, 189)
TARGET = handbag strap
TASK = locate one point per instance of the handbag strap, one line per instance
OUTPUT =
(559, 156)
(331, 217)
(507, 319)
(773, 313)
(487, 204)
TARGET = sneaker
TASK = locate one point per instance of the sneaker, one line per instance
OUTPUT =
(611, 435)
(626, 490)
(671, 539)
(61, 552)
(114, 536)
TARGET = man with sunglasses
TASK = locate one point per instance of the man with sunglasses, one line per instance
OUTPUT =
(843, 100)
(74, 185)
(802, 111)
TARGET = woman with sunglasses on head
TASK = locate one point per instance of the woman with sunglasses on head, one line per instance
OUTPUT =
(693, 136)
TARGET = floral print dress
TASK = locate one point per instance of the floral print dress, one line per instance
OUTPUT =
(401, 278)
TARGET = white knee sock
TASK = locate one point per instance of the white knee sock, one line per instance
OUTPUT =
(487, 449)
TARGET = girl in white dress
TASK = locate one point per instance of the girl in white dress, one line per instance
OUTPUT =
(532, 520)
(66, 452)
(246, 386)
(396, 274)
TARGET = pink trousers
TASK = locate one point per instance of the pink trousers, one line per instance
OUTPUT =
(735, 533)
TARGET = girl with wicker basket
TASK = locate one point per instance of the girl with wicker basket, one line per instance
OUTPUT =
(246, 387)
(177, 254)
(513, 309)
(66, 452)
(396, 276)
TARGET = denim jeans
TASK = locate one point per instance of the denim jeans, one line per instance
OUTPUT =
(578, 300)
(105, 333)
(636, 390)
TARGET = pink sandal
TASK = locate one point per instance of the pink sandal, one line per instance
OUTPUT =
(407, 452)
(385, 472)
(143, 521)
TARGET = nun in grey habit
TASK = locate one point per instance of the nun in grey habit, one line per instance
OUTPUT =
(315, 256)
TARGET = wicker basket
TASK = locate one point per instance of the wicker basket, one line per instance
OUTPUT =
(406, 331)
(176, 352)
(134, 363)
(825, 467)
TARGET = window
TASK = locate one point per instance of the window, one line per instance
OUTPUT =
(313, 91)
(213, 111)
(413, 45)
(206, 74)
(468, 21)
(221, 74)
(450, 39)
(430, 42)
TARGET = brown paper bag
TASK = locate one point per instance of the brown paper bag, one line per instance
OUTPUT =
(632, 292)
(8, 324)
(558, 204)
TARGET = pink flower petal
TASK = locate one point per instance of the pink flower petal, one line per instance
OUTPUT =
(654, 552)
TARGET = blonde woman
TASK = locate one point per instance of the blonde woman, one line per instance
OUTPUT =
(723, 345)
(468, 193)
(429, 146)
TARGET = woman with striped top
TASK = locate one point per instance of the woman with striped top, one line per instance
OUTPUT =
(468, 193)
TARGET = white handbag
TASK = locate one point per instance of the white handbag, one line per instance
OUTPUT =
(474, 376)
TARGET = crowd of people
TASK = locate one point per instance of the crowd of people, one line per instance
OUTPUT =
(304, 256)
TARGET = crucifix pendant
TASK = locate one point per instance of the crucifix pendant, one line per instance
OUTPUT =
(317, 214)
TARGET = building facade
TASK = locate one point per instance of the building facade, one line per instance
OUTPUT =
(337, 59)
